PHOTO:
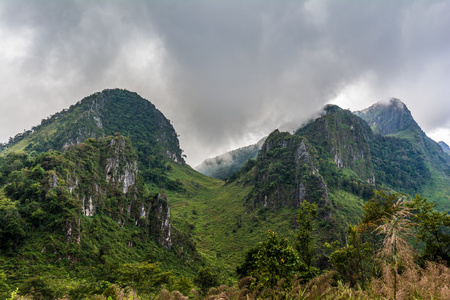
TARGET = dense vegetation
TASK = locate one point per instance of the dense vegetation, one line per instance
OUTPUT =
(398, 164)
(80, 247)
(302, 220)
(96, 116)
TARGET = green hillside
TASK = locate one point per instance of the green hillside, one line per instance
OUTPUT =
(97, 202)
(81, 212)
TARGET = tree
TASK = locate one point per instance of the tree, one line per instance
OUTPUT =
(147, 278)
(352, 260)
(206, 279)
(433, 228)
(378, 208)
(274, 260)
(249, 265)
(12, 232)
(305, 241)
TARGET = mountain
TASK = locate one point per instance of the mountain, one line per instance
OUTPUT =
(345, 137)
(390, 118)
(286, 173)
(394, 119)
(99, 194)
(444, 147)
(224, 165)
(78, 194)
(102, 114)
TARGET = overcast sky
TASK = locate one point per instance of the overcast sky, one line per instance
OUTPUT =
(226, 72)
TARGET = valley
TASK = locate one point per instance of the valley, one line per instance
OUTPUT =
(101, 192)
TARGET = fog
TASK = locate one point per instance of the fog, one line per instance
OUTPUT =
(226, 73)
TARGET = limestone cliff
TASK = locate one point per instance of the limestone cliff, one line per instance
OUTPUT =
(102, 175)
(286, 174)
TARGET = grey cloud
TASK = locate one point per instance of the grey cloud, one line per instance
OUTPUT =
(227, 72)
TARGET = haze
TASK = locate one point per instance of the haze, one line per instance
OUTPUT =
(226, 72)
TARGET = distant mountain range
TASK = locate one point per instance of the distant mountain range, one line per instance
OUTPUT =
(391, 119)
(223, 166)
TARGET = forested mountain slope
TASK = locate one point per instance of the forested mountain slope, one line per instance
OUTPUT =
(394, 119)
(102, 114)
(101, 192)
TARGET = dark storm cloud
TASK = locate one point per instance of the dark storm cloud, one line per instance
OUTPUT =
(226, 72)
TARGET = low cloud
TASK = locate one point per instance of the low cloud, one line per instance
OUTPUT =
(225, 72)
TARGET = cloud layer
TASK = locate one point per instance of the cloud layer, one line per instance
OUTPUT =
(226, 72)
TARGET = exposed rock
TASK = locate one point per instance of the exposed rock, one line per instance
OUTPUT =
(160, 222)
(120, 171)
(104, 176)
(286, 174)
(345, 137)
(53, 181)
(444, 147)
(388, 117)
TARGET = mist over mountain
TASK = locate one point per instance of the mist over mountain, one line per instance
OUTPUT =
(392, 117)
(222, 166)
(444, 147)
(382, 145)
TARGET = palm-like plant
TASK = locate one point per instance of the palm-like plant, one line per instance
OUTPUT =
(396, 250)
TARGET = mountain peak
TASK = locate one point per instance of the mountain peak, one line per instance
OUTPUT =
(103, 114)
(330, 108)
(396, 103)
(389, 117)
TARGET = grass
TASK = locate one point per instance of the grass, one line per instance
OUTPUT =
(216, 217)
(438, 190)
(346, 207)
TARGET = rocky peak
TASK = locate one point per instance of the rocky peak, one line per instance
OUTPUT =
(394, 118)
(389, 117)
(345, 137)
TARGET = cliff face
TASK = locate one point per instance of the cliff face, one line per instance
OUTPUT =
(345, 137)
(444, 147)
(287, 174)
(103, 178)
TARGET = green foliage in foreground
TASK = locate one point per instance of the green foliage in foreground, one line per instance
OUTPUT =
(377, 254)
